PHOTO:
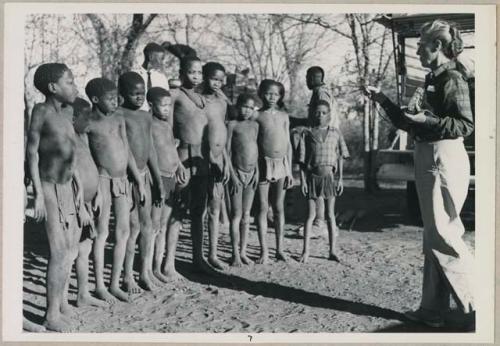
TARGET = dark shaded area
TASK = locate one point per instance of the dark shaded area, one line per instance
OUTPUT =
(417, 328)
(37, 319)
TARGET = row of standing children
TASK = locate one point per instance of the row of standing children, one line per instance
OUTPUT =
(85, 159)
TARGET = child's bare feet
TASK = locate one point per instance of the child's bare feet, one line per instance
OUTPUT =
(58, 325)
(263, 259)
(334, 257)
(67, 310)
(280, 256)
(304, 258)
(245, 259)
(159, 275)
(120, 294)
(156, 281)
(88, 300)
(146, 282)
(214, 261)
(172, 275)
(103, 294)
(236, 261)
(131, 286)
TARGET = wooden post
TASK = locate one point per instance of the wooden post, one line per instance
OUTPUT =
(366, 142)
(374, 147)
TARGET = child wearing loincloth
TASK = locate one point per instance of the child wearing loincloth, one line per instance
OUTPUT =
(216, 107)
(89, 175)
(56, 184)
(166, 217)
(190, 122)
(243, 151)
(321, 153)
(109, 147)
(140, 136)
(275, 157)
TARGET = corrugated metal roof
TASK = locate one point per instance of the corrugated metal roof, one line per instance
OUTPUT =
(408, 25)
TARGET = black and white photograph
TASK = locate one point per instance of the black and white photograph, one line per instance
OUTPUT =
(251, 172)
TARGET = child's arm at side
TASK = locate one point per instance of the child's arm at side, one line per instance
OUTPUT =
(343, 153)
(302, 162)
(289, 178)
(340, 184)
(131, 165)
(155, 172)
(82, 211)
(234, 181)
(37, 120)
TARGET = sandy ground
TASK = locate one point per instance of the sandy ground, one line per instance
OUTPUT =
(380, 277)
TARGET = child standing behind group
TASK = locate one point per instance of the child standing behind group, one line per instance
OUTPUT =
(321, 153)
(166, 217)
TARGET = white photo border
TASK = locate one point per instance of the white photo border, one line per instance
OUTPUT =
(12, 235)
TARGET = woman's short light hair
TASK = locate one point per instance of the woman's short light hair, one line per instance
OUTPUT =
(447, 33)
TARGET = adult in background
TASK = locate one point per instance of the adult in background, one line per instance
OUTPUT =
(441, 171)
(152, 69)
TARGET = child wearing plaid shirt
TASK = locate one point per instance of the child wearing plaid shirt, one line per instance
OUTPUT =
(321, 153)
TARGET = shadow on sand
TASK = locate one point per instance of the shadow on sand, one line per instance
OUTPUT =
(290, 294)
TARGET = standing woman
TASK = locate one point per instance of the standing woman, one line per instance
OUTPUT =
(441, 171)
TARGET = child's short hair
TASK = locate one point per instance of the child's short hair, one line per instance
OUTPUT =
(46, 74)
(97, 87)
(155, 93)
(79, 105)
(243, 98)
(210, 67)
(316, 69)
(128, 80)
(323, 103)
(186, 62)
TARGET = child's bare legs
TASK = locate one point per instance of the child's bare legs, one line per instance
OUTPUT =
(82, 273)
(332, 228)
(60, 246)
(122, 232)
(130, 285)
(278, 200)
(311, 204)
(320, 213)
(99, 244)
(140, 222)
(236, 212)
(224, 217)
(160, 218)
(198, 196)
(214, 209)
(174, 225)
(248, 195)
(262, 221)
(146, 241)
(66, 309)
